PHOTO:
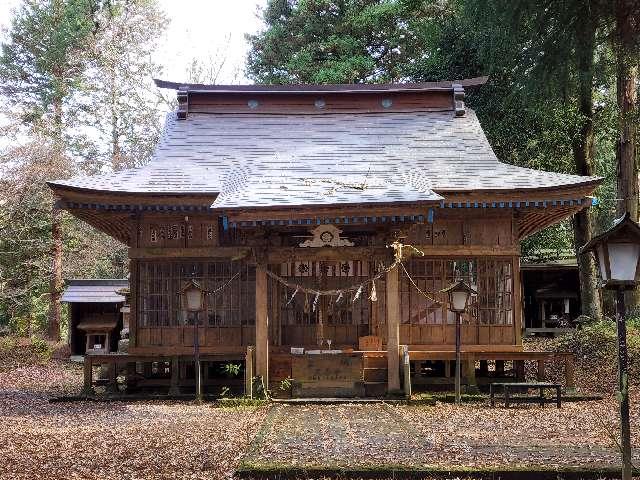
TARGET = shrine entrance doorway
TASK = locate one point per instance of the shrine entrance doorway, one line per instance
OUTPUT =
(300, 318)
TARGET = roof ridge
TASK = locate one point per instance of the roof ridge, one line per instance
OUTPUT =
(316, 88)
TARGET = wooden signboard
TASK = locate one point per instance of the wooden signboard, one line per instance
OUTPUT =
(327, 375)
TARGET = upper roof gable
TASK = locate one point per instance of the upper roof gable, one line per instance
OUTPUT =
(321, 99)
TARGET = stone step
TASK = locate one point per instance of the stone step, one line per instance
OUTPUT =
(374, 375)
(375, 389)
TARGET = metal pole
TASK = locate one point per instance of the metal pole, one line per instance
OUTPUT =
(625, 426)
(196, 357)
(457, 379)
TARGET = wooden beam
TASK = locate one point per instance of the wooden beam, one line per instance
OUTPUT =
(189, 252)
(393, 330)
(262, 326)
(486, 355)
(292, 254)
(234, 351)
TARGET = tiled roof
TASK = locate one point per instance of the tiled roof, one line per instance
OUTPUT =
(94, 290)
(293, 159)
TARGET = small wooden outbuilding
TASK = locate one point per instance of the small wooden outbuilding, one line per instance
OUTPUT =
(95, 316)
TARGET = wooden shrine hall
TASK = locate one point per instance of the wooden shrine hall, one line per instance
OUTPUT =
(282, 202)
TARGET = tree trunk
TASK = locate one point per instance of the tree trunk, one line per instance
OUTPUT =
(583, 158)
(627, 179)
(627, 18)
(56, 282)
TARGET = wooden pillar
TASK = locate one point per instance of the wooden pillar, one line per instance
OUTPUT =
(406, 370)
(520, 370)
(470, 364)
(88, 376)
(175, 375)
(248, 373)
(484, 368)
(541, 370)
(499, 368)
(131, 379)
(112, 375)
(570, 384)
(133, 303)
(518, 320)
(393, 331)
(262, 326)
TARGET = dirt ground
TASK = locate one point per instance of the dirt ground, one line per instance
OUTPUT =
(162, 440)
(87, 440)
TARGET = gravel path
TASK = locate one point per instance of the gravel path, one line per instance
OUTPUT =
(364, 436)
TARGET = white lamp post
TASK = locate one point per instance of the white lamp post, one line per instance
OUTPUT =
(618, 253)
(458, 294)
(193, 298)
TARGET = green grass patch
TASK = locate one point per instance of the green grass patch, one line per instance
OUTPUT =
(276, 470)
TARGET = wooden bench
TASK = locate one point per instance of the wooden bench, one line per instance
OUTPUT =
(509, 388)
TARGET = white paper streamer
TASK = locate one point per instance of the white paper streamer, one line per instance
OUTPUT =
(358, 293)
(294, 295)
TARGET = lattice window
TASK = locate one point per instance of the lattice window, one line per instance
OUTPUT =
(159, 302)
(492, 278)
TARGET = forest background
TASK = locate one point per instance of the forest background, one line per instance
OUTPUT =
(76, 85)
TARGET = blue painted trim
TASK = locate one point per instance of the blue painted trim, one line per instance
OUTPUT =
(430, 215)
(595, 201)
(225, 223)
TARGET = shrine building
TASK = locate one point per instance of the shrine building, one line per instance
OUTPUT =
(323, 221)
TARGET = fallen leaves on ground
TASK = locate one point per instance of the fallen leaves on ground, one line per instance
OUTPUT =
(88, 440)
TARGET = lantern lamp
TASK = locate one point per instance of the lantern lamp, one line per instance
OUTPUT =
(193, 297)
(617, 251)
(459, 294)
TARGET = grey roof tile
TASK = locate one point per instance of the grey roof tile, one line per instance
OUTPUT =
(94, 291)
(275, 159)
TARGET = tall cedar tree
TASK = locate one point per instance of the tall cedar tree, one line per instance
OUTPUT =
(119, 77)
(557, 58)
(63, 62)
(40, 67)
(626, 43)
(328, 41)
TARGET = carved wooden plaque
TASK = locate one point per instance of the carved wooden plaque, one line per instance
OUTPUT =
(370, 343)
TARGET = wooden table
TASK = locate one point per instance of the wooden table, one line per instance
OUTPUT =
(508, 389)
